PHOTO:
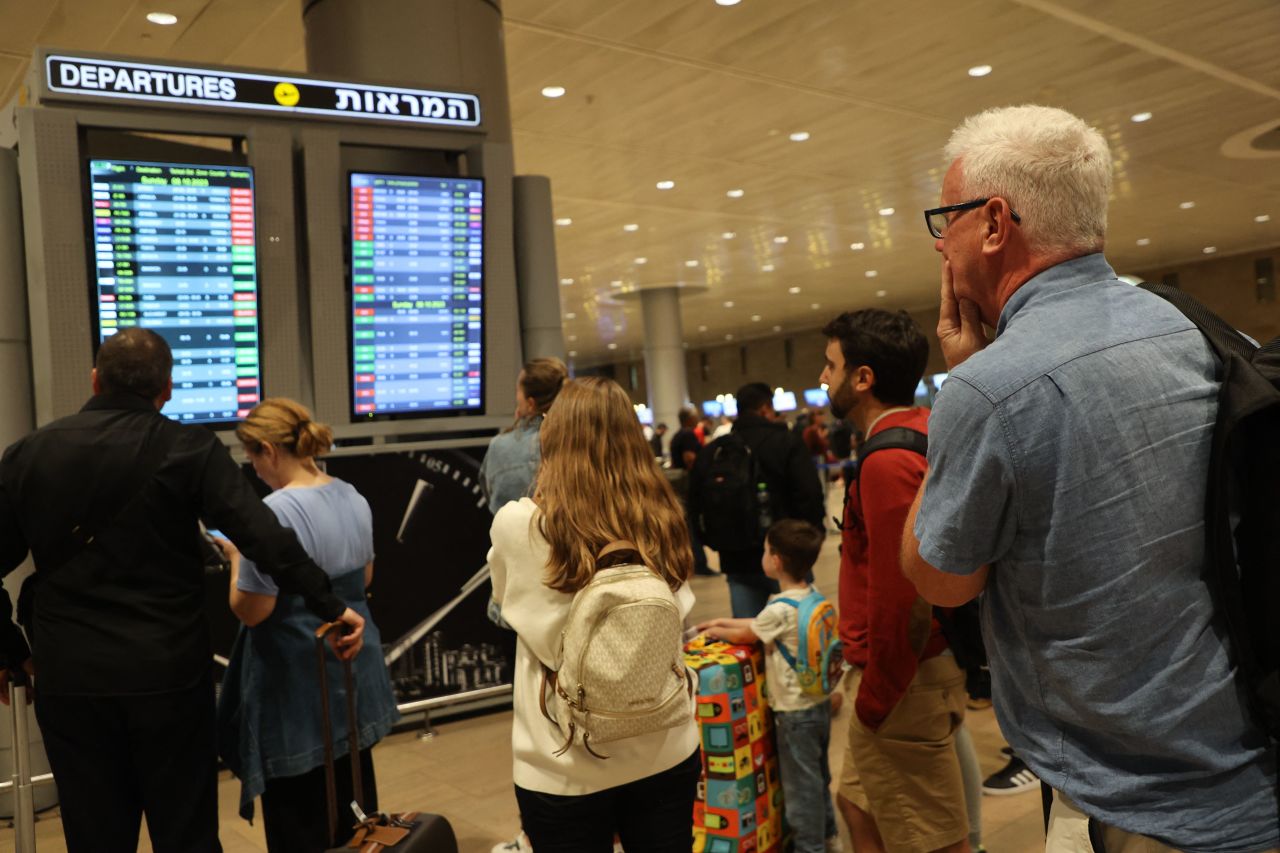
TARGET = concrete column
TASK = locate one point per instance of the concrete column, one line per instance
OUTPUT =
(445, 43)
(664, 355)
(536, 278)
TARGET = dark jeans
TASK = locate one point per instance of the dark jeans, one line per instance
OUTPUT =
(295, 814)
(115, 758)
(749, 593)
(650, 815)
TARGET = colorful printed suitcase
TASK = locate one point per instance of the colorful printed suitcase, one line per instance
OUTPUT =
(739, 805)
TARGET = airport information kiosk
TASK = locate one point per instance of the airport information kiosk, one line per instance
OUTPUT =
(343, 243)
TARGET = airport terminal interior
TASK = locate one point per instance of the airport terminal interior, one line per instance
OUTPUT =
(384, 208)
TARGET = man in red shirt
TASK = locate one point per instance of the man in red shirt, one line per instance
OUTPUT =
(900, 788)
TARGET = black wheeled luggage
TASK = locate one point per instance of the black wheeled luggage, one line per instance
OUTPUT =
(407, 832)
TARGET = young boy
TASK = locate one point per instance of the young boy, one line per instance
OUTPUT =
(803, 721)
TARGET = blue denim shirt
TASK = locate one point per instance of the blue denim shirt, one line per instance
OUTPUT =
(511, 463)
(1072, 455)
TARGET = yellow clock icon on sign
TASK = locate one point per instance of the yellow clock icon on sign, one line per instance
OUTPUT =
(286, 94)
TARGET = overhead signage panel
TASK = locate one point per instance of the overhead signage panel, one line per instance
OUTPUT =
(93, 78)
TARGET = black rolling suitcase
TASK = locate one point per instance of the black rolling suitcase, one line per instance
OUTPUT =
(408, 832)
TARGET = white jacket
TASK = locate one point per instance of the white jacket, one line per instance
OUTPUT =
(518, 562)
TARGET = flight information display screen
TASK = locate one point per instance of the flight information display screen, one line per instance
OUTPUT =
(417, 291)
(173, 249)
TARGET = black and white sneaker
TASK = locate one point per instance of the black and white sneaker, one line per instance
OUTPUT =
(1015, 778)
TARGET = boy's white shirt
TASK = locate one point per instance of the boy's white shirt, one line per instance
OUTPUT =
(780, 622)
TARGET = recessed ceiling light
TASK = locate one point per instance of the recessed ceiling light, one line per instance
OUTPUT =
(815, 306)
(728, 235)
(728, 337)
(571, 316)
(729, 304)
(766, 268)
(755, 318)
(691, 263)
(1144, 241)
(573, 353)
(702, 328)
(631, 226)
(1187, 205)
(617, 282)
(777, 328)
(857, 247)
(882, 293)
(728, 2)
(781, 238)
(566, 281)
(886, 211)
(564, 220)
(613, 346)
(164, 19)
(553, 91)
(666, 185)
(1262, 217)
(735, 193)
(1140, 117)
(871, 273)
(1209, 250)
(793, 290)
(572, 338)
(800, 136)
(642, 261)
(980, 71)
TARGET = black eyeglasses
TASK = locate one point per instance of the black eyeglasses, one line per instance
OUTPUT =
(936, 219)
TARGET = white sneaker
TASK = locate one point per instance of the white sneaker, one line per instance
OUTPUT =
(519, 844)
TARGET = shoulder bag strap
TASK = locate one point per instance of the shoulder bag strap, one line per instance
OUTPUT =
(155, 450)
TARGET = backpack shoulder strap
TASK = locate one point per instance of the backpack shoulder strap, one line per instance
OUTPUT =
(893, 438)
(1224, 339)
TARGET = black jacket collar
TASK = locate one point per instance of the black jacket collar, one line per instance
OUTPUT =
(118, 400)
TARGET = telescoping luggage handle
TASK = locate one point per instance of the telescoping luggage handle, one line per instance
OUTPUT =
(353, 737)
(24, 811)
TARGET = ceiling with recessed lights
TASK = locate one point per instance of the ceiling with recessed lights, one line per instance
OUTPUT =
(773, 155)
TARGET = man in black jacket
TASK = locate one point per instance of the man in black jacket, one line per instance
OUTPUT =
(783, 464)
(107, 501)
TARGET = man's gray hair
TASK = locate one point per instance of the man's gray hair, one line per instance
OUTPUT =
(1051, 167)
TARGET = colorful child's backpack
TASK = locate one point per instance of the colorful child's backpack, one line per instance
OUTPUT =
(819, 660)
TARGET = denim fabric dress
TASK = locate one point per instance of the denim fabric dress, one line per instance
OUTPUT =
(511, 463)
(269, 710)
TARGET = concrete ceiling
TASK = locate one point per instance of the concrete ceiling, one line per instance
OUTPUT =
(708, 97)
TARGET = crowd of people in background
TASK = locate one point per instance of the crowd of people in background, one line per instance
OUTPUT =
(1060, 476)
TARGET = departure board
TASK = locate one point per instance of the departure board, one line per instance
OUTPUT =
(174, 253)
(417, 282)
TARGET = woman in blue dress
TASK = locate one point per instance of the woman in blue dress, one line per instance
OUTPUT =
(269, 710)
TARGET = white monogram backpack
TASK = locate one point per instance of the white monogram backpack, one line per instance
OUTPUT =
(620, 671)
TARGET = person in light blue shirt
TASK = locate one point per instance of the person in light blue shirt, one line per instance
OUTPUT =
(269, 723)
(511, 464)
(1068, 470)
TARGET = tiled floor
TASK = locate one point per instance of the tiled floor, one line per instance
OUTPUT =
(465, 772)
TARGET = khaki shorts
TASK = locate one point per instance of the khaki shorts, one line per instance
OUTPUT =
(906, 775)
(1069, 833)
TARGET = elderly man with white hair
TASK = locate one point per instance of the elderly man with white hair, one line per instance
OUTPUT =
(1068, 464)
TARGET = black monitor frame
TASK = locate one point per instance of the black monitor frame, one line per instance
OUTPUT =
(349, 284)
(215, 161)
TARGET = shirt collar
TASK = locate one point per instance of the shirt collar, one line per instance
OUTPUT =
(116, 400)
(1067, 275)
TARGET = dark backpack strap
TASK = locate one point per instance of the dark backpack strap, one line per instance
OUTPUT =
(893, 438)
(1224, 339)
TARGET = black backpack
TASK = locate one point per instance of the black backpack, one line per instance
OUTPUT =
(960, 625)
(726, 481)
(1242, 507)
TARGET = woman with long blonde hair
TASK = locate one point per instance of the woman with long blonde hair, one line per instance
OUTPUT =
(269, 711)
(598, 484)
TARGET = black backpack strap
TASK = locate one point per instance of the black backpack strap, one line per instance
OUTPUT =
(1224, 339)
(893, 438)
(155, 450)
